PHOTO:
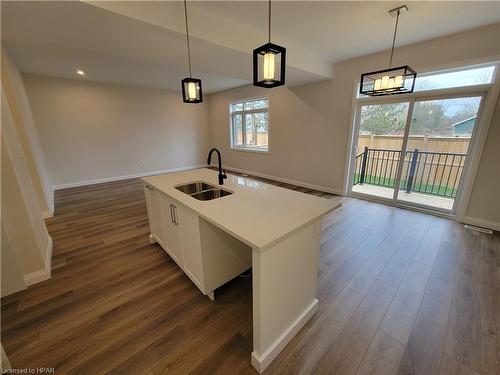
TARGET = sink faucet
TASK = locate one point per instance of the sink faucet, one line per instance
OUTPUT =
(222, 172)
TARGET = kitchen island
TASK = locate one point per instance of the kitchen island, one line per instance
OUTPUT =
(273, 230)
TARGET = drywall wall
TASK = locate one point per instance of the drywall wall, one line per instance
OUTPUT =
(309, 124)
(484, 203)
(28, 135)
(12, 280)
(5, 363)
(21, 214)
(305, 144)
(93, 132)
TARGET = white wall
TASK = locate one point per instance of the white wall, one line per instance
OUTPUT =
(305, 144)
(484, 203)
(94, 131)
(30, 143)
(5, 363)
(12, 279)
(21, 213)
(309, 124)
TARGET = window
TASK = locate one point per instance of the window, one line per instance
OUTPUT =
(458, 78)
(250, 125)
(415, 149)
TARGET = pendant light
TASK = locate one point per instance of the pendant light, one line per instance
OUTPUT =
(191, 87)
(269, 63)
(399, 80)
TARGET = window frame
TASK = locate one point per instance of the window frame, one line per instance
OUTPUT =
(244, 112)
(491, 93)
(459, 69)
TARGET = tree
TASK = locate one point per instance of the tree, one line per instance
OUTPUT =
(383, 118)
(432, 118)
(429, 119)
(469, 110)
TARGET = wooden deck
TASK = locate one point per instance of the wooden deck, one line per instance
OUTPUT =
(400, 292)
(413, 197)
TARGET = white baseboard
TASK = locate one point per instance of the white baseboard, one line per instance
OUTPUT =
(36, 277)
(125, 177)
(48, 214)
(481, 223)
(286, 180)
(45, 274)
(261, 363)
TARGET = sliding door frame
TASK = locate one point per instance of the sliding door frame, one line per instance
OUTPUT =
(354, 141)
(485, 91)
(472, 143)
(409, 115)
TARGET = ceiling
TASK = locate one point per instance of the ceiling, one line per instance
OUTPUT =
(143, 43)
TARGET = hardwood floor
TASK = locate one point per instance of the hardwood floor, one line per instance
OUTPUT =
(400, 293)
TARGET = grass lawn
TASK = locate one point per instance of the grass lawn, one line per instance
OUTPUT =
(417, 187)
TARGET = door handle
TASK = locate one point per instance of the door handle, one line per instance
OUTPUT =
(172, 213)
(175, 216)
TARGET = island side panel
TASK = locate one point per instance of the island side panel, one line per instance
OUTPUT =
(284, 292)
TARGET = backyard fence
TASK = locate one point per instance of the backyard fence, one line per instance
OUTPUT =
(422, 142)
(253, 139)
(436, 173)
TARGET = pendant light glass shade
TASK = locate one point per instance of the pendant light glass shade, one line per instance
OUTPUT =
(191, 87)
(269, 62)
(389, 81)
(269, 65)
(191, 90)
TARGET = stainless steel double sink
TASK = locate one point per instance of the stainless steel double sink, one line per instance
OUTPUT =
(203, 191)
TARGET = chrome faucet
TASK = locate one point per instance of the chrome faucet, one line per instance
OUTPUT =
(222, 172)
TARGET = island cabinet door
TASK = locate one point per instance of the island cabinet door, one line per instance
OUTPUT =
(173, 241)
(155, 214)
(190, 232)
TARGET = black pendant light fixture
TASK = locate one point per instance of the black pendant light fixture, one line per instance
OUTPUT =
(269, 63)
(191, 87)
(399, 80)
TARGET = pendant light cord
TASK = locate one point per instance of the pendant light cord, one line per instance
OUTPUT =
(269, 21)
(187, 37)
(394, 38)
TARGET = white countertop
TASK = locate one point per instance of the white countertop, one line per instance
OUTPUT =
(257, 213)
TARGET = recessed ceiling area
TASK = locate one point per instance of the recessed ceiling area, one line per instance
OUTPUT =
(143, 42)
(340, 30)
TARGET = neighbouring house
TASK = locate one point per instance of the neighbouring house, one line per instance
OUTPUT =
(463, 127)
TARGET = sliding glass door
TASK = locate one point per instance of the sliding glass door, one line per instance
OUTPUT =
(440, 132)
(414, 152)
(378, 148)
(415, 148)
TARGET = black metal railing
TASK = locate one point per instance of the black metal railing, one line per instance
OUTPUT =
(436, 173)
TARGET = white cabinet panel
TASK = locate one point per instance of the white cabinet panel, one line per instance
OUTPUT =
(193, 265)
(207, 254)
(173, 240)
(155, 213)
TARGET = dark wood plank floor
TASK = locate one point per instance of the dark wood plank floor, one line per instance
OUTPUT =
(400, 293)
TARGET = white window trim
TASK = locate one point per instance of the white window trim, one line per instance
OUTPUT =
(491, 93)
(249, 111)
